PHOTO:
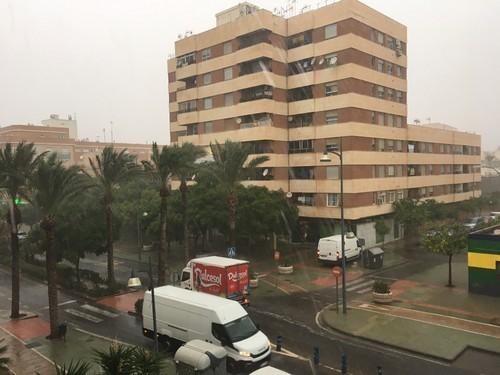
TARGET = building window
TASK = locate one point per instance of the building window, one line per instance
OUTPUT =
(187, 59)
(298, 121)
(301, 173)
(380, 92)
(380, 65)
(304, 145)
(381, 171)
(399, 121)
(332, 173)
(206, 54)
(209, 127)
(228, 48)
(188, 106)
(399, 145)
(389, 145)
(392, 196)
(380, 197)
(398, 71)
(299, 39)
(390, 69)
(192, 129)
(228, 99)
(332, 144)
(380, 144)
(399, 96)
(332, 200)
(331, 59)
(332, 117)
(380, 37)
(208, 103)
(304, 199)
(381, 119)
(390, 94)
(228, 73)
(391, 171)
(331, 89)
(390, 120)
(207, 78)
(400, 195)
(374, 117)
(331, 31)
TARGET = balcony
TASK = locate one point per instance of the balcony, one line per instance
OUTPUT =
(255, 66)
(256, 37)
(300, 93)
(256, 93)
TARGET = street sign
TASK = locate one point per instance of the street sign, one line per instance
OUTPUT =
(337, 271)
(231, 251)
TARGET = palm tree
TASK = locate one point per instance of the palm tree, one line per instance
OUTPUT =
(160, 169)
(53, 186)
(117, 360)
(17, 164)
(229, 168)
(146, 362)
(185, 169)
(110, 169)
(4, 361)
(73, 368)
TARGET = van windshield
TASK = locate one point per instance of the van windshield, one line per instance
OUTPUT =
(240, 329)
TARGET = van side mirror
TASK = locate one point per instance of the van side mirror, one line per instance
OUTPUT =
(361, 242)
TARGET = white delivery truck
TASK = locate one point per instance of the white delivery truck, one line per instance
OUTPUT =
(330, 248)
(220, 276)
(183, 315)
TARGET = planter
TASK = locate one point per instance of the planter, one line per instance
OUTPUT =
(285, 270)
(382, 297)
(254, 283)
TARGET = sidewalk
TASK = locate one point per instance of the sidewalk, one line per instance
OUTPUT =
(440, 336)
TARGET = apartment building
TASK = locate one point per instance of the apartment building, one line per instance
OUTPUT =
(57, 139)
(333, 77)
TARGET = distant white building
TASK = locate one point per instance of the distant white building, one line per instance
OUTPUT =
(56, 122)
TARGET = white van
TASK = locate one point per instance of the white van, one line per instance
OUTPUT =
(330, 248)
(184, 315)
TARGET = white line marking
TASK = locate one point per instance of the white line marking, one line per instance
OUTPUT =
(60, 304)
(274, 285)
(100, 336)
(359, 286)
(364, 290)
(354, 282)
(99, 311)
(83, 315)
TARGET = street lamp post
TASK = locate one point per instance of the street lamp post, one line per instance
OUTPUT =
(336, 150)
(135, 282)
(140, 241)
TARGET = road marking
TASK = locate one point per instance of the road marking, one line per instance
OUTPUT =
(61, 304)
(366, 283)
(83, 315)
(364, 290)
(274, 285)
(99, 311)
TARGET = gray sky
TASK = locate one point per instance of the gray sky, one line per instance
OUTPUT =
(105, 60)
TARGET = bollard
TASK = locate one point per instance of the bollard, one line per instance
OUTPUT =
(343, 364)
(379, 370)
(279, 342)
(316, 356)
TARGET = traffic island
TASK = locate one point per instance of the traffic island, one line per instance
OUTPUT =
(429, 334)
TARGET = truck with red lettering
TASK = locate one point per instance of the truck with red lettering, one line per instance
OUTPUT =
(220, 276)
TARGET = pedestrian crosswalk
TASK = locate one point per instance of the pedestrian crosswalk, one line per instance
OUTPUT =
(360, 286)
(90, 313)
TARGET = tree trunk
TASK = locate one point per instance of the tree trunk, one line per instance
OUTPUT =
(232, 202)
(77, 270)
(48, 225)
(109, 241)
(162, 251)
(450, 283)
(183, 188)
(14, 247)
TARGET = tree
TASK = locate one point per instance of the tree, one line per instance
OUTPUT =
(184, 169)
(381, 228)
(448, 239)
(490, 157)
(231, 165)
(112, 168)
(54, 185)
(17, 164)
(160, 169)
(73, 368)
(411, 213)
(116, 360)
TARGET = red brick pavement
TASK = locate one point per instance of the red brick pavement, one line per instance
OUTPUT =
(27, 329)
(123, 302)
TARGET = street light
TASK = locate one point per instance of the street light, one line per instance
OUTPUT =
(325, 158)
(135, 282)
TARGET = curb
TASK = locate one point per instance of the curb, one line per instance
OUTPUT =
(415, 352)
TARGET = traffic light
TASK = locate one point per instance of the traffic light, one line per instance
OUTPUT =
(316, 355)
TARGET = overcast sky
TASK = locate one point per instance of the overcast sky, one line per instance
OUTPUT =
(105, 60)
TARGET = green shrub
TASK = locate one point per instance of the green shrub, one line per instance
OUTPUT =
(381, 287)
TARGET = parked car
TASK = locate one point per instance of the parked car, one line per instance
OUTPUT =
(183, 315)
(330, 248)
(474, 222)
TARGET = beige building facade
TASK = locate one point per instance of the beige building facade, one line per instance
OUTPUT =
(293, 87)
(68, 150)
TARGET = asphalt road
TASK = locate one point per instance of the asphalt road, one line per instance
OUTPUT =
(292, 317)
